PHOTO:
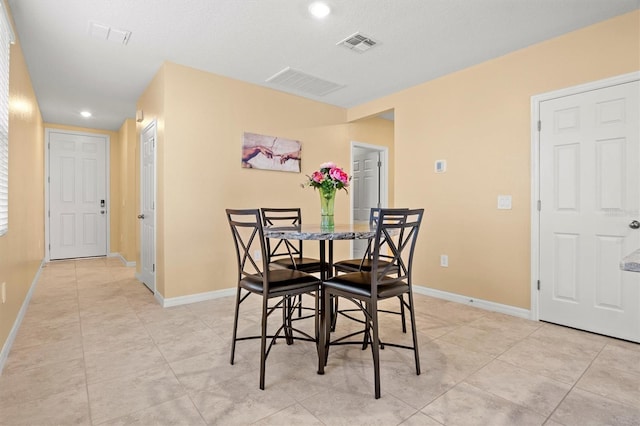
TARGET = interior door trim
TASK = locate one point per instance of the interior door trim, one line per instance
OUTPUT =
(536, 100)
(47, 133)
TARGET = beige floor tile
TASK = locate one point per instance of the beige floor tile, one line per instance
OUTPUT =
(189, 344)
(109, 337)
(239, 401)
(619, 385)
(581, 408)
(453, 360)
(41, 382)
(492, 342)
(538, 393)
(179, 411)
(69, 407)
(336, 407)
(115, 398)
(25, 357)
(548, 359)
(295, 414)
(621, 357)
(466, 404)
(420, 419)
(119, 362)
(47, 333)
(202, 371)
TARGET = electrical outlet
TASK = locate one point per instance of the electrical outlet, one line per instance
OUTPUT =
(257, 255)
(4, 292)
(444, 260)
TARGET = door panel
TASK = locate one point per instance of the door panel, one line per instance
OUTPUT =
(147, 205)
(78, 184)
(366, 190)
(590, 192)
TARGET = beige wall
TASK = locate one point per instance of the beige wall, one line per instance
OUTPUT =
(199, 172)
(114, 178)
(126, 205)
(22, 248)
(478, 120)
(376, 131)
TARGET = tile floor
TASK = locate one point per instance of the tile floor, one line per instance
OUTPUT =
(95, 348)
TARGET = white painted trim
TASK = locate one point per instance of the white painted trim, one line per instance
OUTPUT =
(536, 100)
(384, 177)
(478, 303)
(124, 261)
(6, 348)
(194, 298)
(47, 132)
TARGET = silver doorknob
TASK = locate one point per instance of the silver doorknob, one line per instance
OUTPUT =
(634, 224)
(140, 216)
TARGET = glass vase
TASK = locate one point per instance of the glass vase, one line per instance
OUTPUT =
(327, 198)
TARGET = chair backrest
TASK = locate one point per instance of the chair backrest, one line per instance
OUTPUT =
(373, 220)
(396, 235)
(248, 238)
(283, 217)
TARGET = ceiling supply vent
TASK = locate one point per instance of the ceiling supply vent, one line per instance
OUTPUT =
(358, 42)
(104, 32)
(298, 81)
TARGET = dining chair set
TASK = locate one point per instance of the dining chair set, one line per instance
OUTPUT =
(277, 271)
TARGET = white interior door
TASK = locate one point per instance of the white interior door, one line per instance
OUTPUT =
(366, 187)
(78, 202)
(590, 192)
(147, 215)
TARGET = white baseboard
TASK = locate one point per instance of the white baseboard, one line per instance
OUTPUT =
(4, 354)
(193, 298)
(124, 261)
(478, 303)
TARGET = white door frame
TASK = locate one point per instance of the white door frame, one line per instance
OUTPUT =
(153, 124)
(384, 176)
(536, 100)
(47, 132)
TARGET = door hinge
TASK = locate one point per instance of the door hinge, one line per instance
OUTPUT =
(538, 284)
(48, 179)
(539, 205)
(153, 268)
(539, 125)
(48, 213)
(379, 164)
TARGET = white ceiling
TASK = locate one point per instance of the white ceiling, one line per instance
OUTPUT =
(251, 40)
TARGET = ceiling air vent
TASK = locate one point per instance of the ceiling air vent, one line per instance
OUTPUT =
(300, 82)
(358, 42)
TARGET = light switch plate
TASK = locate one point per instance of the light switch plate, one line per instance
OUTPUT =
(504, 202)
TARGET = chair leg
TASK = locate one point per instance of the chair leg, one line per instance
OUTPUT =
(263, 342)
(287, 312)
(325, 330)
(375, 348)
(235, 326)
(402, 315)
(414, 332)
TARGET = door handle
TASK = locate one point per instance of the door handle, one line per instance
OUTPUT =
(634, 224)
(140, 216)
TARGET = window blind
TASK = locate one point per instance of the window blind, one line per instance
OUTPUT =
(6, 38)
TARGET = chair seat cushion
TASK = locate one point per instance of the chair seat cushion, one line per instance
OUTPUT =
(359, 284)
(282, 281)
(305, 264)
(354, 265)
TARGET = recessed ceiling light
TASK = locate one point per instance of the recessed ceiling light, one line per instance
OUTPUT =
(319, 9)
(85, 114)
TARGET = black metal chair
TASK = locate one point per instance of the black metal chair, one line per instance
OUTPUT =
(397, 230)
(364, 264)
(255, 277)
(285, 253)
